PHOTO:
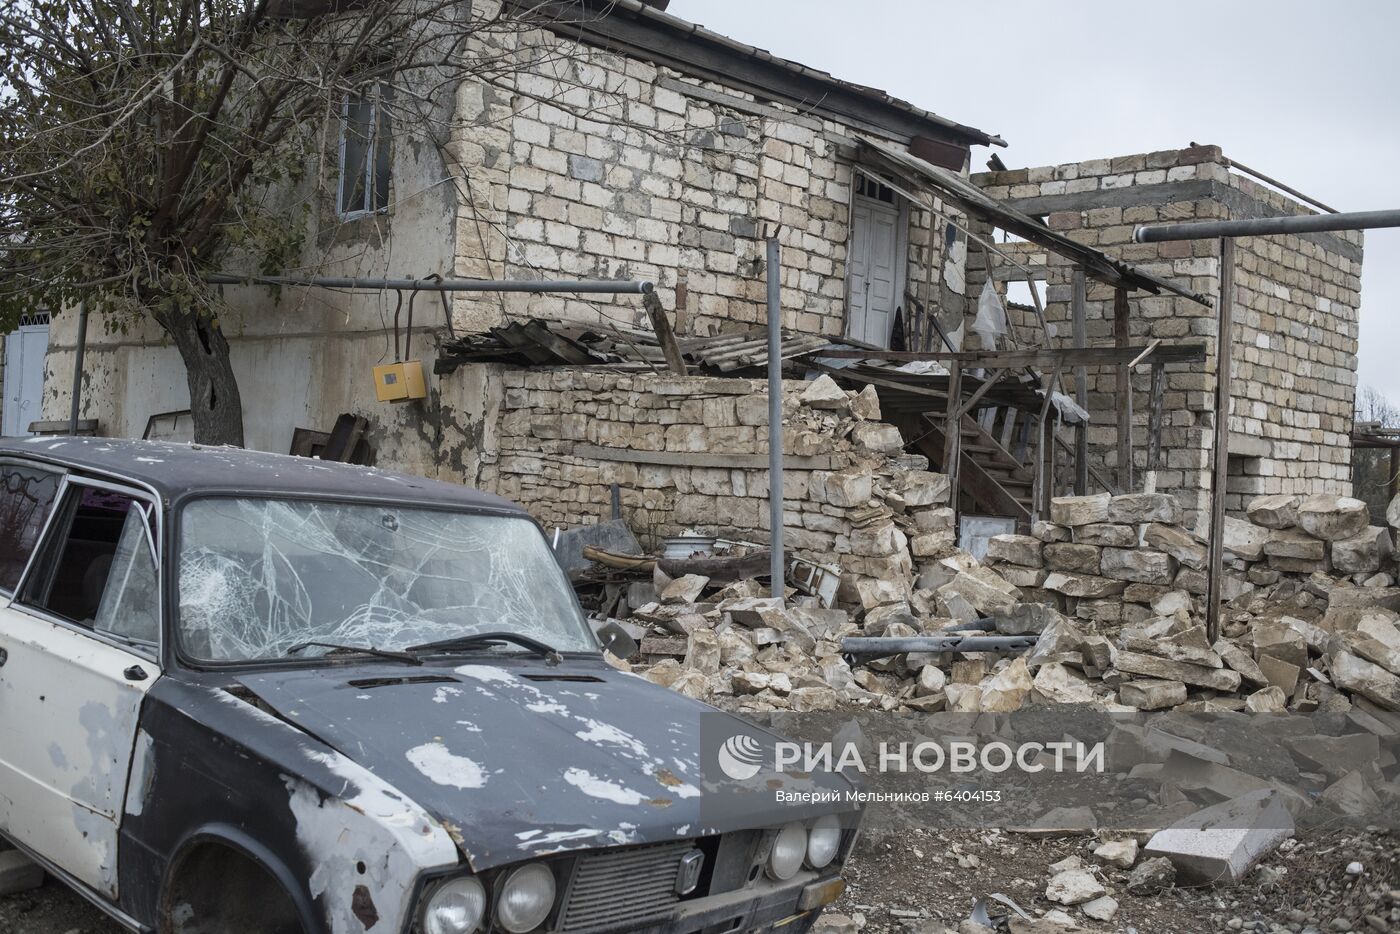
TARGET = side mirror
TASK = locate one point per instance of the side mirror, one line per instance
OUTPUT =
(615, 639)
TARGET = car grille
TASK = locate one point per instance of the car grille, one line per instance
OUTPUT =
(624, 887)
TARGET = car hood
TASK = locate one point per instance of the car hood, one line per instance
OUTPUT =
(520, 759)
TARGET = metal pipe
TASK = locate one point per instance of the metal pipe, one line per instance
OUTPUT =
(1266, 226)
(580, 286)
(78, 352)
(1224, 326)
(1231, 163)
(775, 416)
(898, 645)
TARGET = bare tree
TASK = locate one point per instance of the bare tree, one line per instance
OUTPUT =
(1371, 467)
(143, 144)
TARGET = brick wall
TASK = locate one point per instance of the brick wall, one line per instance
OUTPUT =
(1295, 320)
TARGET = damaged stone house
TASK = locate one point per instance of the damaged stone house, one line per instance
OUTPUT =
(886, 243)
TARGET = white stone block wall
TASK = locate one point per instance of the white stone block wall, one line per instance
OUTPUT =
(1296, 317)
(664, 185)
(547, 414)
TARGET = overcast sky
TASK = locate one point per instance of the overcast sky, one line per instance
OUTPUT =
(1306, 92)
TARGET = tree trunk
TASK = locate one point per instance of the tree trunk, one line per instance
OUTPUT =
(215, 403)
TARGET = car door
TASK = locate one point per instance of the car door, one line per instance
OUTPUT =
(79, 643)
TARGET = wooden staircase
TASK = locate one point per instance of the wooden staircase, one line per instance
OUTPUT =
(987, 472)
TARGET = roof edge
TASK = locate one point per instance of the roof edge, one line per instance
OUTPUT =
(699, 34)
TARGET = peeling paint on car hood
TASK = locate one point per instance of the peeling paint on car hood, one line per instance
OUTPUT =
(518, 759)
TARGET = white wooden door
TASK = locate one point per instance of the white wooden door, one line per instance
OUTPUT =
(874, 277)
(24, 377)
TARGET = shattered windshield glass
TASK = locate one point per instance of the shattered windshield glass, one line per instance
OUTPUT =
(259, 576)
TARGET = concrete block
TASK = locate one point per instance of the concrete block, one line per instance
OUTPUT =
(1221, 844)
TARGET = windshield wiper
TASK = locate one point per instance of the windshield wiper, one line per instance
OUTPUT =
(338, 649)
(548, 653)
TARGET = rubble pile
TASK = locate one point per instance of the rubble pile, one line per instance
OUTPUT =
(1112, 590)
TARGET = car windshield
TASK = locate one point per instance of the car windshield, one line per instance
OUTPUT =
(257, 577)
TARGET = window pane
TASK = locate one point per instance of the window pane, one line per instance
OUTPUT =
(130, 601)
(26, 497)
(355, 143)
(381, 157)
(259, 576)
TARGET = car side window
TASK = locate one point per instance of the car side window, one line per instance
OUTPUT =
(26, 498)
(101, 566)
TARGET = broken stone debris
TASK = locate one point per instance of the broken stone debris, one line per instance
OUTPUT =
(1114, 594)
(1120, 623)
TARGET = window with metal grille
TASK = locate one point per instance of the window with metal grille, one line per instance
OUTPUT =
(364, 153)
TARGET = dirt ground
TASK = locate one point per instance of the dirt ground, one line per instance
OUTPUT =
(906, 883)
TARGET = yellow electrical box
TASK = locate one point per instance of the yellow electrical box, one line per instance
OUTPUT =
(399, 382)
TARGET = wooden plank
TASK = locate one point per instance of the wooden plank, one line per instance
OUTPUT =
(1154, 417)
(733, 461)
(1221, 453)
(1081, 391)
(1124, 393)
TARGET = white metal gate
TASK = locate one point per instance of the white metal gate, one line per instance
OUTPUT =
(24, 374)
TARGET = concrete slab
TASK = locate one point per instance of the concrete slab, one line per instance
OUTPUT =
(1221, 844)
(19, 873)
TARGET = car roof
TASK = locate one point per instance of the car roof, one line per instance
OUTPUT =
(180, 470)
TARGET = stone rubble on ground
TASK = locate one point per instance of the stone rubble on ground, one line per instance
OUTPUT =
(1114, 590)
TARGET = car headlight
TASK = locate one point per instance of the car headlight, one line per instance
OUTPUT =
(789, 849)
(823, 840)
(527, 895)
(456, 907)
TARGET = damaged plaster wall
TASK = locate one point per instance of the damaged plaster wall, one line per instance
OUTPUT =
(1296, 320)
(302, 356)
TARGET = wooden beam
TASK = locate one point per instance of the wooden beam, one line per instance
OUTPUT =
(727, 461)
(1045, 451)
(952, 438)
(1081, 391)
(976, 397)
(1042, 358)
(1124, 393)
(664, 335)
(1154, 417)
(1221, 455)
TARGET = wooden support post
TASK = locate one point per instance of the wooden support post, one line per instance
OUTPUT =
(1124, 394)
(1081, 391)
(664, 335)
(1045, 449)
(1221, 453)
(1154, 417)
(952, 437)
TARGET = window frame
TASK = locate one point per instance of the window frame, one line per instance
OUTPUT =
(154, 531)
(62, 474)
(373, 94)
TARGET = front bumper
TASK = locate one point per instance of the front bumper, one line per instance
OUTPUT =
(789, 907)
